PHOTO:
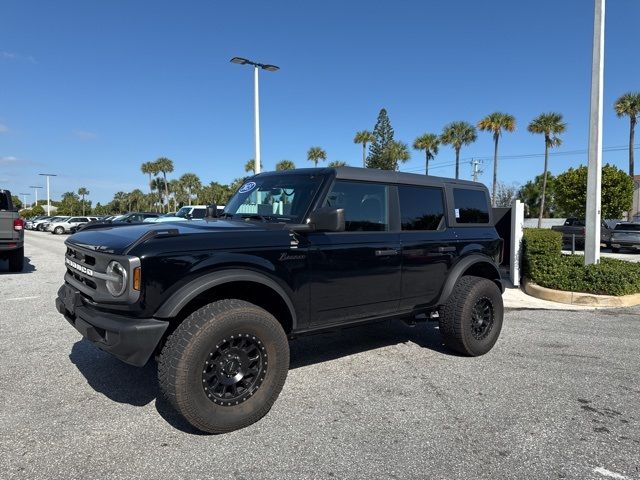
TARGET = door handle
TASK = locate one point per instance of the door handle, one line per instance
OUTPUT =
(445, 249)
(386, 253)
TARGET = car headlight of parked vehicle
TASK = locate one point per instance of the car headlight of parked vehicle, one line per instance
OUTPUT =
(117, 283)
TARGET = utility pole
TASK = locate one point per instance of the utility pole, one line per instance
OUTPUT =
(35, 187)
(48, 194)
(476, 171)
(594, 171)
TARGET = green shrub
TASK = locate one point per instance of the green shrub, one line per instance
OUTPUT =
(545, 265)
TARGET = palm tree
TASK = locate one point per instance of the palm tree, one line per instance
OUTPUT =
(285, 165)
(82, 191)
(496, 122)
(337, 163)
(364, 137)
(550, 125)
(149, 168)
(164, 166)
(629, 104)
(158, 184)
(250, 166)
(458, 134)
(190, 182)
(136, 197)
(315, 154)
(397, 152)
(429, 142)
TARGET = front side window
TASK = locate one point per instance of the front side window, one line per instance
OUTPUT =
(199, 213)
(365, 205)
(279, 198)
(421, 208)
(470, 206)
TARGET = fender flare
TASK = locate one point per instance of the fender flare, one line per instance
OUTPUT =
(458, 271)
(179, 299)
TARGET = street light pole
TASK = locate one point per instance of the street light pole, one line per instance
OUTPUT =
(256, 119)
(24, 199)
(256, 103)
(594, 170)
(35, 187)
(48, 196)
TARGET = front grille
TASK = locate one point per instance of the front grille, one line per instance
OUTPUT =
(83, 257)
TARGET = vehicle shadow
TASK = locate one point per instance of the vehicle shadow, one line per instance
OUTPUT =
(137, 386)
(27, 268)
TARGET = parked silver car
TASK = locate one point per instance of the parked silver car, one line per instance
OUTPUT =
(625, 235)
(65, 225)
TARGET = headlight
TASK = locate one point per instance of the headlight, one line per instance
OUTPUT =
(117, 284)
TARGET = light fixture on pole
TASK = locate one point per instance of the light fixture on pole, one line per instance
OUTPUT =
(35, 187)
(256, 101)
(48, 196)
(594, 170)
(24, 199)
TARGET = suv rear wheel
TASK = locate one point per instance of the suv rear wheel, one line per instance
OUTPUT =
(472, 317)
(16, 260)
(225, 365)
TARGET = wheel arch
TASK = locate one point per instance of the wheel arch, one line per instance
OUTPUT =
(476, 265)
(254, 287)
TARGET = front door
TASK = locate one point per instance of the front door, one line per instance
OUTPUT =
(356, 273)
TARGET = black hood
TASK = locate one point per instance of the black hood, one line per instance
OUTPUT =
(119, 239)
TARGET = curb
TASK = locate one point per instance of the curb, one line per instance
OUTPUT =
(578, 298)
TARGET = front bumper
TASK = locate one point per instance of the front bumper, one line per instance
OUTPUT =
(131, 340)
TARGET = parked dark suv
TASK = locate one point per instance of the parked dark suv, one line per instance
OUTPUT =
(294, 252)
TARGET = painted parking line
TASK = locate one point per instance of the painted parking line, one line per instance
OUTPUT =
(609, 473)
(16, 299)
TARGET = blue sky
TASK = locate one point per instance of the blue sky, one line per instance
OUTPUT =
(89, 90)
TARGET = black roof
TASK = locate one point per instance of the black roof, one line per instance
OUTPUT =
(377, 175)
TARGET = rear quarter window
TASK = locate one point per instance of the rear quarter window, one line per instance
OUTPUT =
(470, 206)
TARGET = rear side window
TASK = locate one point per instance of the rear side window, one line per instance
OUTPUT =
(365, 205)
(421, 208)
(4, 201)
(470, 206)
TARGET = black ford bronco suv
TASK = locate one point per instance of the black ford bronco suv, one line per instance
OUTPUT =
(295, 252)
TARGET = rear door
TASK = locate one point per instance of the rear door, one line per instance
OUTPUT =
(428, 245)
(356, 273)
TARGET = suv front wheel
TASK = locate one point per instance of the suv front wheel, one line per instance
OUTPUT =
(472, 317)
(224, 366)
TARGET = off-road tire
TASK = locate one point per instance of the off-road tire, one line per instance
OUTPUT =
(16, 260)
(456, 321)
(180, 366)
(58, 230)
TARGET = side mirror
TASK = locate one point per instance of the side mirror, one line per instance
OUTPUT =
(327, 219)
(212, 211)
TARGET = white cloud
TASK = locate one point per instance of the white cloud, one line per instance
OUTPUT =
(9, 160)
(84, 135)
(11, 56)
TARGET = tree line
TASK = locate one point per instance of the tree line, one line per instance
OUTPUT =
(380, 150)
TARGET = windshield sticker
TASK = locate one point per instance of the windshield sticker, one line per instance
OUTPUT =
(247, 187)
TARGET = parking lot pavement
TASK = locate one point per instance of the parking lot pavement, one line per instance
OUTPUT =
(558, 397)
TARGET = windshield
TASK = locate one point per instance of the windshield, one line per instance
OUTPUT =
(182, 213)
(278, 198)
(635, 227)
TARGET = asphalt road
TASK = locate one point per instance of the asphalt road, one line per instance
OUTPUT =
(558, 397)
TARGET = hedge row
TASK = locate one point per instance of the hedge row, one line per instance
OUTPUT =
(545, 265)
